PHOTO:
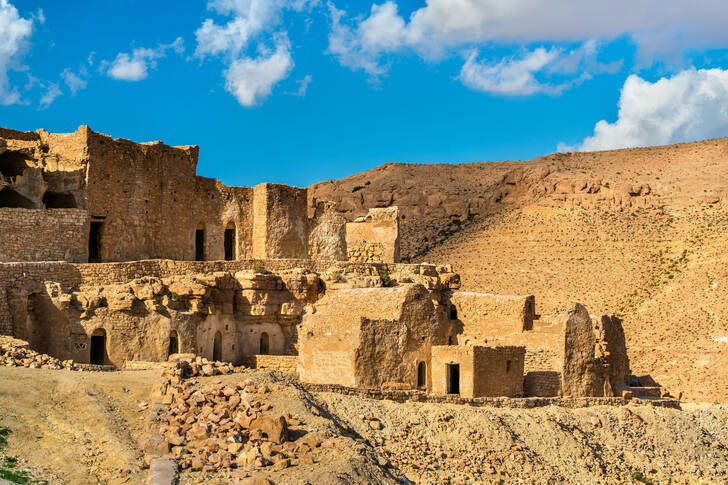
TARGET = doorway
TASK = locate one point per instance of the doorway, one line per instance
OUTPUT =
(200, 244)
(264, 344)
(421, 375)
(229, 242)
(453, 378)
(94, 242)
(173, 343)
(217, 348)
(98, 347)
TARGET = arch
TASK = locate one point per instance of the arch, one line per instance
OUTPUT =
(13, 164)
(217, 347)
(421, 375)
(230, 241)
(97, 351)
(200, 242)
(59, 200)
(12, 199)
(453, 312)
(264, 344)
(173, 343)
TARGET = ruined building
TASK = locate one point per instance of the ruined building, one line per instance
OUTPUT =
(113, 251)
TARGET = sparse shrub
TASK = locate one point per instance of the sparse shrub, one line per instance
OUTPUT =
(640, 477)
(369, 182)
(259, 268)
(456, 222)
(386, 279)
(201, 282)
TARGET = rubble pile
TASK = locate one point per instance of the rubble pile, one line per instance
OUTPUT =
(190, 365)
(230, 427)
(15, 353)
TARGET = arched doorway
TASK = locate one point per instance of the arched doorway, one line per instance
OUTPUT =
(200, 242)
(229, 242)
(421, 375)
(173, 343)
(217, 347)
(98, 347)
(264, 344)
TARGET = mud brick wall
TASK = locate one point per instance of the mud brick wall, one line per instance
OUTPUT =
(542, 383)
(283, 363)
(499, 371)
(43, 235)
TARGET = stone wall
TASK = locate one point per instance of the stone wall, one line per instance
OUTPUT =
(542, 384)
(282, 363)
(483, 371)
(374, 238)
(484, 316)
(43, 235)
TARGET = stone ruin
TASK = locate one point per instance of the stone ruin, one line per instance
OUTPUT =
(116, 253)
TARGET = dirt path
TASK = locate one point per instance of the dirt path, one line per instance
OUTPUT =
(76, 427)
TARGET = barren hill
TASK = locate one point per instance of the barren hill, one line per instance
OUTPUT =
(640, 233)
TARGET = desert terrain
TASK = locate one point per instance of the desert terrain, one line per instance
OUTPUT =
(86, 427)
(639, 233)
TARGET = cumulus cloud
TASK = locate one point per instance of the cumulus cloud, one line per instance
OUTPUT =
(52, 92)
(135, 66)
(15, 33)
(690, 105)
(74, 82)
(662, 29)
(251, 80)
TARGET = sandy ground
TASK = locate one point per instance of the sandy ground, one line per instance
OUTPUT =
(76, 427)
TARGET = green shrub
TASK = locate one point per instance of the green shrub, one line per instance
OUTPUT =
(259, 268)
(386, 279)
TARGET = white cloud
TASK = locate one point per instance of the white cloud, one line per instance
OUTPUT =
(303, 85)
(690, 105)
(135, 66)
(74, 82)
(52, 92)
(662, 29)
(251, 80)
(514, 77)
(15, 32)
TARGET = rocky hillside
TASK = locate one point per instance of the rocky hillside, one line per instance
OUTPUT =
(640, 233)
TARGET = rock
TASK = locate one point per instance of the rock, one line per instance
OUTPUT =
(274, 428)
(374, 424)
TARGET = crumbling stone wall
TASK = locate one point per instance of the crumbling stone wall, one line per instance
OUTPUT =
(281, 227)
(370, 337)
(595, 356)
(374, 238)
(43, 235)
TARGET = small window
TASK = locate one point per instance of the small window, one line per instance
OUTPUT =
(453, 312)
(452, 340)
(508, 366)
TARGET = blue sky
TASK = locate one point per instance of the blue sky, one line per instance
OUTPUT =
(298, 91)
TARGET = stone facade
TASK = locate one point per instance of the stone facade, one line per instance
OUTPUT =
(145, 201)
(477, 371)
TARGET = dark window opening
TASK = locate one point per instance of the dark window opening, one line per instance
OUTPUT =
(200, 245)
(453, 378)
(508, 366)
(94, 242)
(264, 345)
(217, 347)
(452, 340)
(230, 242)
(453, 312)
(13, 164)
(173, 344)
(12, 199)
(59, 200)
(421, 375)
(98, 347)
